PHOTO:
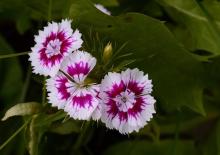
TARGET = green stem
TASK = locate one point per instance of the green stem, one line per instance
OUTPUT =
(81, 137)
(13, 55)
(34, 137)
(25, 86)
(15, 134)
(49, 10)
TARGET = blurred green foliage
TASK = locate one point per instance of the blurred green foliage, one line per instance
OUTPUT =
(177, 42)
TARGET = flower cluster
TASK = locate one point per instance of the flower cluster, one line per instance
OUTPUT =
(122, 101)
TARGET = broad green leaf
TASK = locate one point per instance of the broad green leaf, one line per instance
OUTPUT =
(46, 120)
(176, 74)
(39, 9)
(107, 3)
(145, 147)
(213, 80)
(212, 69)
(22, 109)
(40, 124)
(67, 127)
(35, 134)
(153, 9)
(190, 123)
(191, 20)
(23, 11)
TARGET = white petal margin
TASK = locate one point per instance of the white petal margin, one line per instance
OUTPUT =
(77, 40)
(96, 115)
(40, 69)
(102, 9)
(131, 123)
(136, 123)
(80, 58)
(53, 28)
(65, 26)
(82, 110)
(109, 80)
(54, 96)
(137, 75)
(106, 85)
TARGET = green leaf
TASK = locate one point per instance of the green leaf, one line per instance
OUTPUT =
(145, 147)
(106, 3)
(39, 9)
(22, 109)
(23, 11)
(67, 127)
(48, 119)
(40, 124)
(192, 20)
(188, 123)
(212, 69)
(176, 74)
(35, 134)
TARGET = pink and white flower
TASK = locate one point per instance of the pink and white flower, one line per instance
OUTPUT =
(102, 9)
(68, 90)
(126, 101)
(53, 43)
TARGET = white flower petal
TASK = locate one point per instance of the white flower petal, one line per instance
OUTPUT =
(58, 93)
(78, 65)
(56, 41)
(126, 101)
(82, 104)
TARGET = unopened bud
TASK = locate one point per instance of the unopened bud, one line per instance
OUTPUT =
(107, 52)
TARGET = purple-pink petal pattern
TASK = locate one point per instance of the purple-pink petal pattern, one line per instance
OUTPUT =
(80, 100)
(53, 44)
(78, 65)
(126, 106)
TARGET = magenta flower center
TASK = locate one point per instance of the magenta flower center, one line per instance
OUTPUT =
(53, 48)
(125, 100)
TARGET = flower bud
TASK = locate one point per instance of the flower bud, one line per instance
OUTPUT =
(107, 52)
